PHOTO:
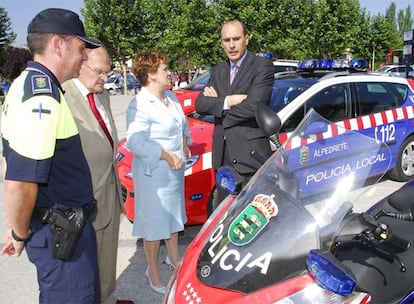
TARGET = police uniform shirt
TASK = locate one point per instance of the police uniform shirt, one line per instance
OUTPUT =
(41, 142)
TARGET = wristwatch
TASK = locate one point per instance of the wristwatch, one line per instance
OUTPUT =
(19, 239)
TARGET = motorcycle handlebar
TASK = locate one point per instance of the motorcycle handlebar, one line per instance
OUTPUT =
(405, 215)
(366, 226)
(398, 242)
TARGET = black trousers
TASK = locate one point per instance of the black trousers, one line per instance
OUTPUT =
(227, 161)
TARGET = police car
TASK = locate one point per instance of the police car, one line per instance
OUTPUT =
(377, 106)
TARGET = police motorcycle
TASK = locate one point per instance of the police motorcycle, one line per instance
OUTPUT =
(291, 235)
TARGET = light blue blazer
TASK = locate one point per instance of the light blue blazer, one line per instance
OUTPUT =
(151, 127)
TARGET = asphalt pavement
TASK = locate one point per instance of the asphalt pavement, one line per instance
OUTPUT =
(18, 283)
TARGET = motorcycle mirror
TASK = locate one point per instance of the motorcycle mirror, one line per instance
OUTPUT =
(315, 128)
(267, 119)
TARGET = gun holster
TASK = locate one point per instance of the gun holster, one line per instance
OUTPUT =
(66, 227)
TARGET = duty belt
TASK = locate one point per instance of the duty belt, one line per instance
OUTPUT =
(59, 217)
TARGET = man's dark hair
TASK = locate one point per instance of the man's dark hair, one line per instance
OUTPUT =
(36, 42)
(245, 31)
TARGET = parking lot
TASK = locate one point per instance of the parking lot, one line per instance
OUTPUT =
(18, 277)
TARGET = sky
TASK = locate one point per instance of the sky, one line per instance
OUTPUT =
(21, 12)
(379, 6)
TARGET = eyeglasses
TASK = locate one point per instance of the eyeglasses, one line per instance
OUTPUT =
(98, 72)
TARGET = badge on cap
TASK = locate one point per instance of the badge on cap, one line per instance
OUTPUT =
(41, 84)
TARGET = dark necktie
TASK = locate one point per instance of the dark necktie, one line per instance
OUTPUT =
(98, 116)
(233, 72)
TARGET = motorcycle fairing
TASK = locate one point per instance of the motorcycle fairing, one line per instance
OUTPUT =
(307, 217)
(255, 265)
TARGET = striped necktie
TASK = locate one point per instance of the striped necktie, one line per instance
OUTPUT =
(233, 72)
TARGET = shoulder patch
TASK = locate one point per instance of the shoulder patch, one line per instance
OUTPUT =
(41, 84)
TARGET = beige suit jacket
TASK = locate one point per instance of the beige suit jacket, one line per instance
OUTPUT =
(98, 152)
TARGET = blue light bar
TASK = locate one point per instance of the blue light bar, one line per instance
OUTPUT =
(225, 178)
(326, 64)
(329, 275)
(358, 63)
(308, 64)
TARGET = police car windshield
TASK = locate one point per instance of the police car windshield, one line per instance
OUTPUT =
(199, 83)
(285, 90)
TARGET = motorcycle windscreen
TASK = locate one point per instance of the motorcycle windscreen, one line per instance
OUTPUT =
(291, 205)
(259, 241)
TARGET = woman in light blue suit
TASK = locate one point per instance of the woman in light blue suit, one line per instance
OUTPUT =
(158, 136)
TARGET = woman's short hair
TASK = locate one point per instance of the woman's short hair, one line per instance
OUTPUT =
(147, 62)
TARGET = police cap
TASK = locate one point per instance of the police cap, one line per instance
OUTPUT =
(60, 21)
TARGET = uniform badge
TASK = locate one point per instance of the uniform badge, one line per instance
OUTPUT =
(304, 155)
(41, 84)
(252, 219)
(40, 110)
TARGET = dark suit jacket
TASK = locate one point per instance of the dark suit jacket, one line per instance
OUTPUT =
(238, 125)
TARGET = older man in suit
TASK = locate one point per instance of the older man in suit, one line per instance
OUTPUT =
(235, 87)
(89, 103)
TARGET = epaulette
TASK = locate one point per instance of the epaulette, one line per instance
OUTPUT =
(41, 84)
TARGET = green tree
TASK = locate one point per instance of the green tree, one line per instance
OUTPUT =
(405, 21)
(8, 63)
(7, 36)
(189, 31)
(193, 36)
(15, 62)
(273, 25)
(384, 36)
(390, 14)
(183, 29)
(337, 27)
(292, 36)
(118, 24)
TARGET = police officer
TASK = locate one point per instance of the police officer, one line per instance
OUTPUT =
(48, 189)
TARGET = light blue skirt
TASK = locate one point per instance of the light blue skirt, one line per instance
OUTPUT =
(159, 201)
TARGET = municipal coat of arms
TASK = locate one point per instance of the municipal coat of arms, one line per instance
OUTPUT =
(247, 225)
